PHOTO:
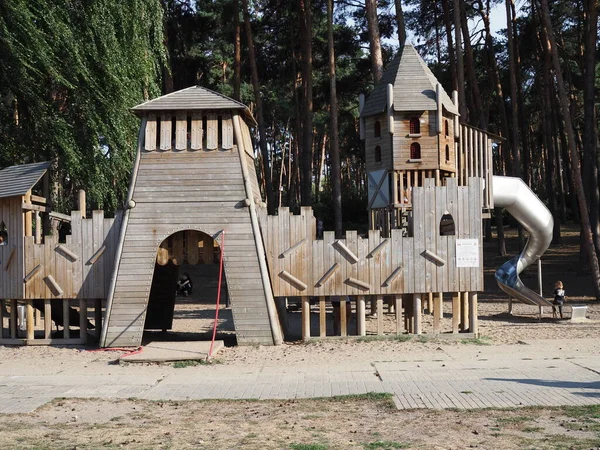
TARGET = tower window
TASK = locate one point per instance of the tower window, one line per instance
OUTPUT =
(415, 126)
(415, 151)
(447, 227)
(377, 129)
(447, 153)
(447, 129)
(3, 234)
(378, 154)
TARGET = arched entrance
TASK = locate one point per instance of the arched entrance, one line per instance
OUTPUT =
(186, 312)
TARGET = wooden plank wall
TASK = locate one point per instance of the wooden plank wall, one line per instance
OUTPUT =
(80, 268)
(301, 265)
(11, 254)
(188, 190)
(474, 159)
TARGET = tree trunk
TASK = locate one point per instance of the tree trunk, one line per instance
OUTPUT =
(451, 55)
(590, 132)
(305, 18)
(334, 146)
(587, 234)
(259, 111)
(460, 67)
(477, 113)
(374, 40)
(400, 23)
(237, 51)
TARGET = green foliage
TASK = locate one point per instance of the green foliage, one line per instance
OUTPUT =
(69, 73)
(295, 446)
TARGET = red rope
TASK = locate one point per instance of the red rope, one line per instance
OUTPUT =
(214, 335)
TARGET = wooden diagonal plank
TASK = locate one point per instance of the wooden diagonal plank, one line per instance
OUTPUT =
(291, 279)
(9, 260)
(389, 280)
(327, 275)
(434, 258)
(292, 248)
(347, 253)
(358, 283)
(379, 248)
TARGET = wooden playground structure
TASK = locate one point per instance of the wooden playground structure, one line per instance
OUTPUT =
(194, 187)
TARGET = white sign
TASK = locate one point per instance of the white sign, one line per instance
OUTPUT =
(379, 188)
(467, 253)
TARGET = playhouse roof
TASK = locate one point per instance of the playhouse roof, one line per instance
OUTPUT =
(18, 180)
(189, 99)
(414, 86)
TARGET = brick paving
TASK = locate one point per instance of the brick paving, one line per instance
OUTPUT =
(505, 376)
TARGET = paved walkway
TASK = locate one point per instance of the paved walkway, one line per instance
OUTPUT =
(540, 373)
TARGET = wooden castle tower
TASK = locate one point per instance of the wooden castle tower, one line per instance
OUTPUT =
(192, 188)
(412, 131)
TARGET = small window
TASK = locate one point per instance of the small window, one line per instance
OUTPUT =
(447, 153)
(3, 234)
(377, 129)
(415, 126)
(447, 128)
(447, 227)
(378, 154)
(415, 151)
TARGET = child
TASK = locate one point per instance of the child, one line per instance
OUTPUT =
(559, 299)
(184, 285)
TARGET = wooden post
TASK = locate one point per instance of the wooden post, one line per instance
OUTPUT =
(430, 303)
(13, 319)
(417, 313)
(28, 216)
(82, 203)
(441, 309)
(1, 318)
(361, 328)
(510, 305)
(83, 320)
(47, 319)
(38, 228)
(398, 311)
(455, 311)
(46, 195)
(539, 261)
(437, 306)
(305, 318)
(322, 317)
(30, 325)
(473, 321)
(464, 308)
(97, 317)
(379, 315)
(373, 308)
(343, 317)
(66, 331)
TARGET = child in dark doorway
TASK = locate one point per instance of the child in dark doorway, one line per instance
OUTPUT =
(559, 299)
(184, 285)
(337, 317)
(319, 229)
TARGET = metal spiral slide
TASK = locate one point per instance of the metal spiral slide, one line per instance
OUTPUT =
(521, 203)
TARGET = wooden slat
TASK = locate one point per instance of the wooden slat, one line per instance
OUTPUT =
(150, 136)
(322, 317)
(197, 132)
(227, 132)
(212, 132)
(181, 131)
(166, 132)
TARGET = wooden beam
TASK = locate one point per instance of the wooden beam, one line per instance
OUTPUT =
(96, 256)
(473, 320)
(389, 280)
(435, 258)
(379, 248)
(9, 260)
(47, 319)
(59, 216)
(328, 274)
(347, 252)
(361, 328)
(83, 335)
(322, 317)
(71, 255)
(455, 311)
(66, 311)
(31, 207)
(29, 319)
(292, 248)
(379, 315)
(305, 318)
(54, 286)
(417, 313)
(358, 283)
(38, 199)
(32, 274)
(291, 279)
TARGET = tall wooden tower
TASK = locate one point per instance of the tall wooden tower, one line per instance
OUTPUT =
(192, 187)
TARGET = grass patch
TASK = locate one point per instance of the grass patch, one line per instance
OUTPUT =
(387, 337)
(514, 419)
(385, 445)
(295, 446)
(532, 429)
(481, 340)
(588, 411)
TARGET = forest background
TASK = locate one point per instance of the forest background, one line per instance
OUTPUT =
(70, 70)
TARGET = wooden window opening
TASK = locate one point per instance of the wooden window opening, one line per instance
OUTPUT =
(378, 154)
(447, 226)
(415, 151)
(415, 126)
(447, 129)
(3, 234)
(377, 129)
(447, 153)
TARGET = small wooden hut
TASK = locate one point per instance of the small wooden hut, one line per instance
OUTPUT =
(193, 192)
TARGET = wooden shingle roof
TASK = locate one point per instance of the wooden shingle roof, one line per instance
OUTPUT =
(192, 98)
(414, 86)
(18, 180)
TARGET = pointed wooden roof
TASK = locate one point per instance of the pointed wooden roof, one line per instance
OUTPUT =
(18, 180)
(190, 99)
(414, 86)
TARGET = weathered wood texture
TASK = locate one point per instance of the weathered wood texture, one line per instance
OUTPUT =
(188, 190)
(11, 253)
(474, 159)
(79, 268)
(374, 265)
